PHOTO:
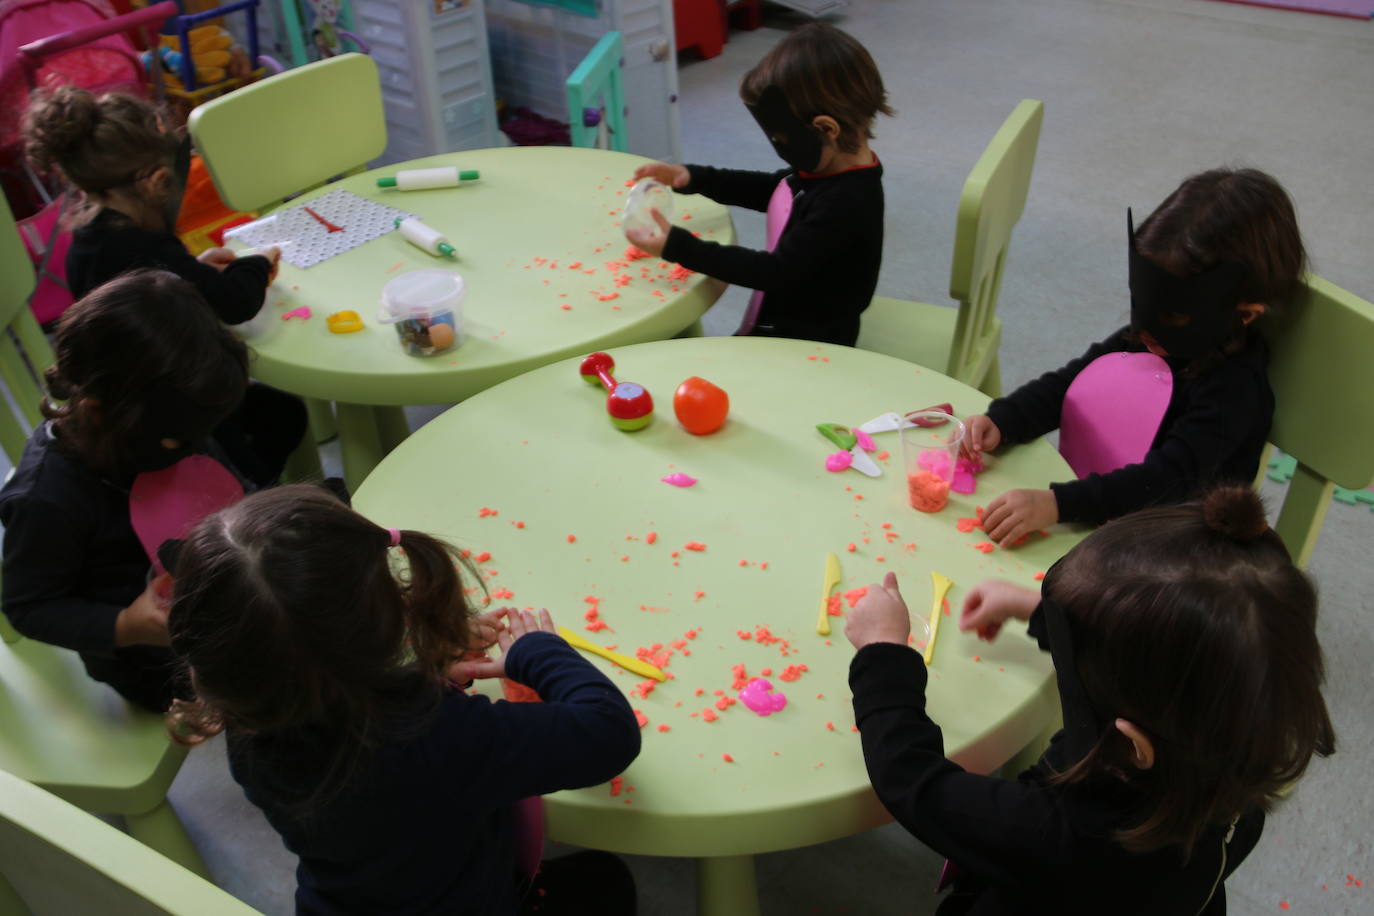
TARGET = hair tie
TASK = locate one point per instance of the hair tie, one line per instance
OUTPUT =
(395, 536)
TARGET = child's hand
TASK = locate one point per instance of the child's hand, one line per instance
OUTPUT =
(144, 623)
(273, 255)
(879, 616)
(990, 603)
(652, 241)
(674, 176)
(980, 435)
(218, 258)
(1019, 513)
(509, 625)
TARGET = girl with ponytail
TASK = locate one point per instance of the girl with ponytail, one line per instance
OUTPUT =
(1189, 673)
(328, 648)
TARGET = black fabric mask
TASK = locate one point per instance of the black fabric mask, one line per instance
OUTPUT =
(1205, 303)
(796, 142)
(169, 415)
(1083, 725)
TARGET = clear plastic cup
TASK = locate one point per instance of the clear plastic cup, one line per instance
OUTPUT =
(930, 451)
(647, 194)
(426, 307)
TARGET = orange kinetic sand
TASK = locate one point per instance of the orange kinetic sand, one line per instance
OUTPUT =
(926, 492)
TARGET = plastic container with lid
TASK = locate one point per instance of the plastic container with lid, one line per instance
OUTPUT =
(426, 306)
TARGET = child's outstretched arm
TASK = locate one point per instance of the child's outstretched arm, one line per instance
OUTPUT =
(1002, 831)
(732, 187)
(583, 733)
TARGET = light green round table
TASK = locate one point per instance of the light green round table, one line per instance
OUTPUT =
(581, 513)
(534, 214)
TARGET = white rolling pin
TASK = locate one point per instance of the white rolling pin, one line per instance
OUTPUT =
(423, 179)
(422, 236)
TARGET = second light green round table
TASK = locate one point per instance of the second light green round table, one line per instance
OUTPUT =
(543, 258)
(575, 517)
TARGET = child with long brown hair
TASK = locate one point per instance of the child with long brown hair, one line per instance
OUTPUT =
(1180, 399)
(144, 372)
(1185, 647)
(130, 169)
(815, 96)
(328, 647)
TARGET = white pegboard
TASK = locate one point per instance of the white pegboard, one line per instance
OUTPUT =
(305, 241)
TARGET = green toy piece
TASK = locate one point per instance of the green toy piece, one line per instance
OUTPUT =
(842, 436)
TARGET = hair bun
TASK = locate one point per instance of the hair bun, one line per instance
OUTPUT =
(58, 123)
(1235, 512)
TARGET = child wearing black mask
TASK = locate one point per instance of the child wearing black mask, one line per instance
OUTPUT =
(144, 372)
(1180, 399)
(815, 96)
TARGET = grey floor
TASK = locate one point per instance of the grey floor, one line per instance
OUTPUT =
(1138, 94)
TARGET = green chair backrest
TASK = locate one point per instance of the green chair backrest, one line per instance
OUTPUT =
(24, 351)
(992, 201)
(57, 859)
(291, 132)
(1321, 368)
(597, 84)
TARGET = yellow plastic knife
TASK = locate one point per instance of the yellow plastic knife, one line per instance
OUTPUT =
(832, 579)
(941, 585)
(644, 669)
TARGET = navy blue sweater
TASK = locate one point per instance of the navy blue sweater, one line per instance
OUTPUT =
(425, 823)
(1212, 432)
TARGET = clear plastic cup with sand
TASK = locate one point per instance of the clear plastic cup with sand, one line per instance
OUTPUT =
(930, 451)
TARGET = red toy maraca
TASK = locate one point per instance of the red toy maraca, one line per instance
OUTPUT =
(629, 405)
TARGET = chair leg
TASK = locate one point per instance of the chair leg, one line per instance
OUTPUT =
(321, 419)
(161, 829)
(303, 464)
(11, 904)
(392, 426)
(1304, 510)
(992, 382)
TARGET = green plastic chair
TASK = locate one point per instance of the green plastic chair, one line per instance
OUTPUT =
(964, 342)
(24, 351)
(59, 860)
(1322, 376)
(291, 132)
(286, 135)
(596, 93)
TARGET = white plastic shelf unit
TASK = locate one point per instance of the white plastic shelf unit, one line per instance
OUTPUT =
(435, 67)
(535, 48)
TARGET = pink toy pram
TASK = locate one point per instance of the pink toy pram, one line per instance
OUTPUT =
(46, 43)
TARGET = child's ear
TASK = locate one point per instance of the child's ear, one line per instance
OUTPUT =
(1249, 311)
(156, 182)
(827, 127)
(1142, 748)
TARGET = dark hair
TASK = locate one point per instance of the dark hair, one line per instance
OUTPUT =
(823, 71)
(1229, 215)
(142, 353)
(1192, 622)
(290, 617)
(97, 142)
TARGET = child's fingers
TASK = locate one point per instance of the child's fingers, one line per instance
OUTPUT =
(662, 220)
(972, 610)
(890, 583)
(462, 672)
(546, 621)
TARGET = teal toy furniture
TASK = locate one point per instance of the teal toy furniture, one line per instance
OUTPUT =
(963, 342)
(1322, 376)
(24, 351)
(60, 860)
(596, 97)
(288, 134)
(58, 728)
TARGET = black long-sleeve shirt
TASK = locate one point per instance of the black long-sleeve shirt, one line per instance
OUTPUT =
(822, 273)
(1026, 846)
(426, 824)
(72, 562)
(110, 244)
(1214, 430)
